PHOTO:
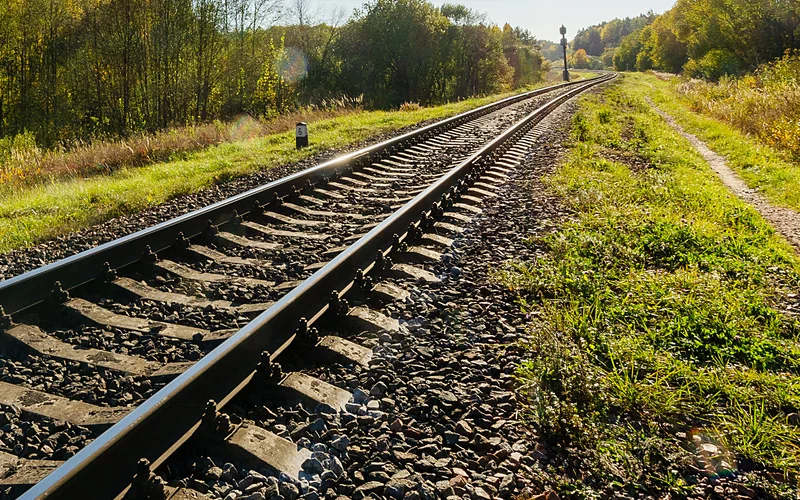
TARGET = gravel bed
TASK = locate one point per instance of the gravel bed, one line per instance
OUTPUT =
(40, 439)
(278, 272)
(435, 415)
(209, 318)
(245, 252)
(245, 294)
(233, 291)
(73, 380)
(152, 347)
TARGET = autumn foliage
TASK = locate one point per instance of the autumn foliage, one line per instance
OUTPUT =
(765, 104)
(712, 38)
(79, 70)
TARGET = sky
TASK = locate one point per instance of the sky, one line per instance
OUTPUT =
(541, 17)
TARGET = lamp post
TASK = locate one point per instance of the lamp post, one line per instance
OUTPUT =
(563, 32)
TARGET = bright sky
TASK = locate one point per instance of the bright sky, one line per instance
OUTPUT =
(541, 17)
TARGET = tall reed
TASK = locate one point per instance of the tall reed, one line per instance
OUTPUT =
(765, 104)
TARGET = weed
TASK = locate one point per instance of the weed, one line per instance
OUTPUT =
(765, 104)
(580, 127)
(23, 163)
(410, 106)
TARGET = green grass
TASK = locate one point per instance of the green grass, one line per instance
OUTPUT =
(555, 74)
(659, 316)
(32, 214)
(764, 168)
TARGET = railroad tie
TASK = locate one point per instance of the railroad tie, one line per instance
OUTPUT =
(55, 407)
(144, 291)
(103, 317)
(31, 337)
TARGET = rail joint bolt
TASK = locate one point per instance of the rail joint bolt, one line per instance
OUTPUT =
(211, 229)
(308, 335)
(181, 242)
(268, 370)
(147, 485)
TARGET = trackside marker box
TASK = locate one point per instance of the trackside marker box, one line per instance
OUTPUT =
(301, 135)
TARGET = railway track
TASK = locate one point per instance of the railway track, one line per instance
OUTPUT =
(117, 358)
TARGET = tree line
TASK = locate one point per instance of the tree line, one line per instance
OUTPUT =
(593, 47)
(601, 39)
(79, 69)
(713, 38)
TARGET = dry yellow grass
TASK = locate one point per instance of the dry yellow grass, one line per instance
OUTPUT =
(765, 104)
(22, 162)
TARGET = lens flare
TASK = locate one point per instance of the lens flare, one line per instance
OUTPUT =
(293, 65)
(244, 127)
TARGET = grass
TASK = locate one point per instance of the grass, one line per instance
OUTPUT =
(555, 75)
(764, 104)
(661, 350)
(766, 165)
(23, 163)
(35, 212)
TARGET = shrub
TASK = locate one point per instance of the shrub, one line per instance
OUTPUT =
(714, 65)
(765, 104)
(410, 106)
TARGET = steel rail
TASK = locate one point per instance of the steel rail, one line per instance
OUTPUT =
(29, 289)
(105, 468)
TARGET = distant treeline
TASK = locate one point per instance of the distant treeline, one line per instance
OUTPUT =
(79, 69)
(712, 38)
(594, 47)
(597, 40)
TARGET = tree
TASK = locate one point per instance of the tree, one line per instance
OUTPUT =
(589, 40)
(625, 56)
(208, 43)
(549, 50)
(80, 69)
(398, 41)
(522, 55)
(460, 15)
(715, 37)
(580, 59)
(597, 39)
(667, 52)
(608, 58)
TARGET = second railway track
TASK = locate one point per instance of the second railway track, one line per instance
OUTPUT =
(116, 358)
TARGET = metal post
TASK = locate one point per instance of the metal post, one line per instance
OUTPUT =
(301, 135)
(563, 32)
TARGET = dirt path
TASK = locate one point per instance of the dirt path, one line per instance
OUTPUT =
(785, 220)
